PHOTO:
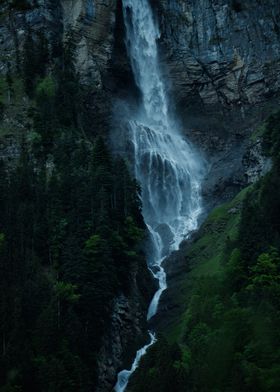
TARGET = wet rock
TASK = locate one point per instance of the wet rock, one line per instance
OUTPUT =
(166, 236)
(255, 163)
(92, 26)
(224, 72)
(127, 330)
(226, 55)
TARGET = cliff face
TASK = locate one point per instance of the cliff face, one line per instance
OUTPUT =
(127, 331)
(92, 24)
(89, 23)
(17, 24)
(222, 59)
(91, 28)
(222, 51)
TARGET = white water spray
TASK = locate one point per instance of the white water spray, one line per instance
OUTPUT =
(124, 375)
(166, 166)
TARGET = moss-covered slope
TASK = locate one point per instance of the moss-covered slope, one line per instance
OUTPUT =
(226, 336)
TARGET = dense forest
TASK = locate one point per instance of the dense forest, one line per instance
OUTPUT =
(74, 241)
(70, 233)
(229, 337)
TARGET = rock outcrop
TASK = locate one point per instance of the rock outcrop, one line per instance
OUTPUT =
(90, 23)
(90, 26)
(222, 51)
(222, 58)
(93, 27)
(126, 333)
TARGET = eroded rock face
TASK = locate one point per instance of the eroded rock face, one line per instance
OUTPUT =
(126, 335)
(222, 58)
(256, 165)
(92, 24)
(222, 51)
(17, 22)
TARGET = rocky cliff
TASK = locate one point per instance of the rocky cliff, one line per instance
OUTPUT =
(222, 51)
(222, 58)
(92, 29)
(88, 25)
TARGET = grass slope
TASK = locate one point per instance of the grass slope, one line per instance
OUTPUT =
(206, 255)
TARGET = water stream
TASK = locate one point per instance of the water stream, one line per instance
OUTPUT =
(167, 167)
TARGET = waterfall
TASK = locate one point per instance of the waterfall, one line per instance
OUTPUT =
(166, 165)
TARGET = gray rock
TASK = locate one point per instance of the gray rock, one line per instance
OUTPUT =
(224, 73)
(235, 50)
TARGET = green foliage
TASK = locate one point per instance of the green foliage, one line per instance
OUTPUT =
(165, 369)
(46, 88)
(70, 235)
(264, 281)
(2, 239)
(220, 229)
(230, 332)
(68, 245)
(66, 291)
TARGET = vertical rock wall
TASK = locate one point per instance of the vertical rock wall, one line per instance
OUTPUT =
(222, 51)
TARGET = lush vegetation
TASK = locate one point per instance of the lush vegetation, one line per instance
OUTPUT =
(70, 234)
(228, 339)
(70, 238)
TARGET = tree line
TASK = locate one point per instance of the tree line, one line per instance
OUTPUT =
(71, 232)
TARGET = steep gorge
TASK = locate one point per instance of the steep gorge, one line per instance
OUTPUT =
(223, 64)
(168, 168)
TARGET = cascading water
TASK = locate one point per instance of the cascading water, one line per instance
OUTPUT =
(166, 166)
